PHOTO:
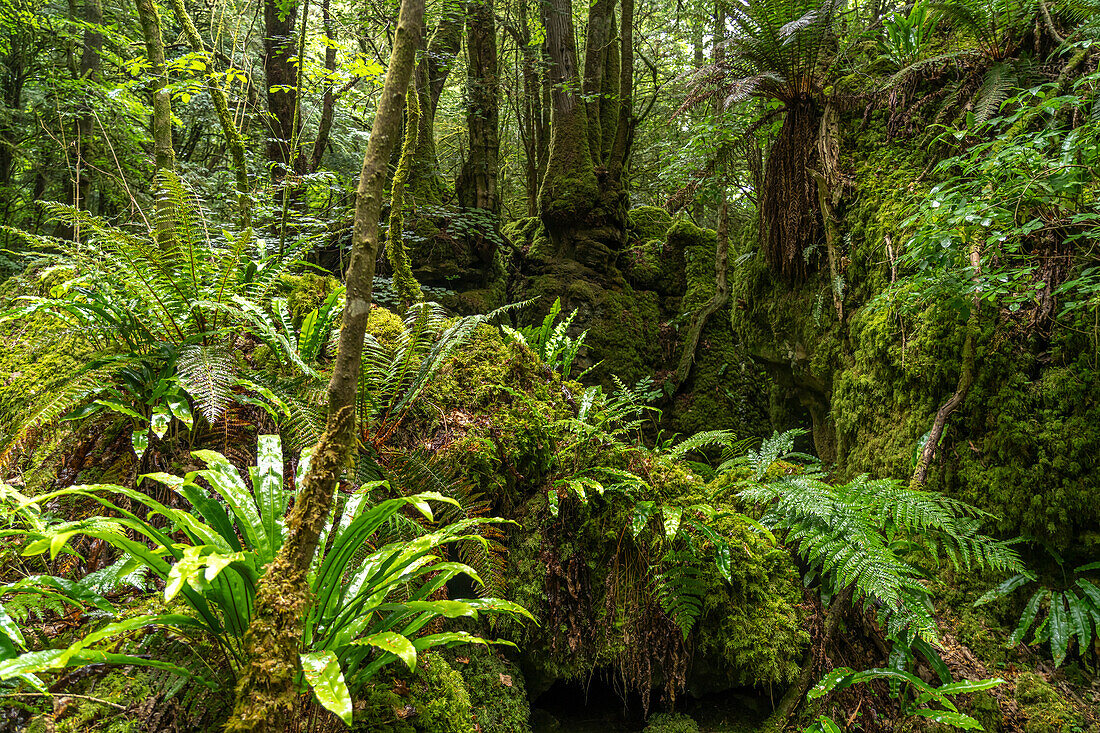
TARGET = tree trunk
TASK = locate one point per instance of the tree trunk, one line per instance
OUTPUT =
(624, 130)
(328, 101)
(600, 15)
(717, 301)
(477, 182)
(162, 110)
(266, 693)
(569, 188)
(233, 139)
(404, 283)
(85, 123)
(282, 82)
(790, 219)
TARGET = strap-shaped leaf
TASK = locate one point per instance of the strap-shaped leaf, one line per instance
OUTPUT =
(1059, 628)
(322, 672)
(394, 643)
(227, 482)
(949, 717)
(1027, 618)
(267, 486)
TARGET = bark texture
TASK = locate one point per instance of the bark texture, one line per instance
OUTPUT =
(282, 82)
(477, 181)
(162, 110)
(266, 693)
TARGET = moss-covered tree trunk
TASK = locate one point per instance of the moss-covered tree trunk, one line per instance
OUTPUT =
(266, 690)
(597, 46)
(282, 82)
(582, 207)
(233, 139)
(162, 110)
(425, 180)
(476, 186)
(404, 283)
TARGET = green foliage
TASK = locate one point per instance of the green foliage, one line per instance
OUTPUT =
(944, 713)
(781, 48)
(907, 35)
(373, 598)
(551, 341)
(159, 316)
(1072, 612)
(1042, 206)
(864, 532)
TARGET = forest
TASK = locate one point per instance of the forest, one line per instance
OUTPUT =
(549, 366)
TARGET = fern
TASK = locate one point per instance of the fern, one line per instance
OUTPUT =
(862, 533)
(680, 589)
(207, 372)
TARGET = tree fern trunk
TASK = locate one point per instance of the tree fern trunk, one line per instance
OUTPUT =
(790, 219)
(266, 692)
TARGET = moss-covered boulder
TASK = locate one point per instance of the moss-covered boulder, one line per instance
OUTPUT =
(433, 699)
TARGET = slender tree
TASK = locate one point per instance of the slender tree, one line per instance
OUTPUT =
(266, 691)
(280, 17)
(233, 137)
(162, 110)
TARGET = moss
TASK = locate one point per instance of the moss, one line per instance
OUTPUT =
(306, 292)
(434, 699)
(569, 187)
(498, 693)
(1046, 711)
(648, 223)
(671, 723)
(723, 392)
(750, 631)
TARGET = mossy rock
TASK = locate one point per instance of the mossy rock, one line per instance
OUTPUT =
(433, 699)
(498, 692)
(306, 292)
(726, 390)
(671, 723)
(648, 223)
(1045, 709)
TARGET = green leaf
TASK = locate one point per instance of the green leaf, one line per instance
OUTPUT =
(10, 628)
(1059, 628)
(322, 672)
(839, 676)
(140, 440)
(949, 717)
(1005, 588)
(1080, 622)
(824, 724)
(672, 516)
(178, 406)
(159, 422)
(1027, 618)
(394, 643)
(643, 510)
(1090, 590)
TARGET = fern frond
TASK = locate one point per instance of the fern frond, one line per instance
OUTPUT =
(207, 372)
